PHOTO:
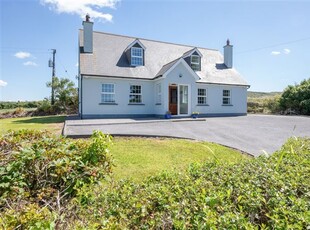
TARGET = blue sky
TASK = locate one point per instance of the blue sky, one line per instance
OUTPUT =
(270, 38)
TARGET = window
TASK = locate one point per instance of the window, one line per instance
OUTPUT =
(158, 93)
(202, 96)
(226, 97)
(136, 56)
(108, 93)
(195, 62)
(135, 95)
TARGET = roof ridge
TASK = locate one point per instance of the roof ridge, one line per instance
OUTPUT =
(152, 40)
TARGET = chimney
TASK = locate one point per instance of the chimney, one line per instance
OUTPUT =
(88, 35)
(228, 54)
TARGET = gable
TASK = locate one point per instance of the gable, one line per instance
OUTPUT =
(181, 70)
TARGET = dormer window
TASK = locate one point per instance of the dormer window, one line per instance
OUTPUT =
(136, 56)
(135, 53)
(193, 59)
(195, 62)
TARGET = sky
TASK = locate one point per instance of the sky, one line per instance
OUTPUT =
(270, 38)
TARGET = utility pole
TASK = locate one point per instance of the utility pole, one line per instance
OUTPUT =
(52, 64)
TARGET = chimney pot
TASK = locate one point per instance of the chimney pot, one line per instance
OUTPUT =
(228, 42)
(87, 17)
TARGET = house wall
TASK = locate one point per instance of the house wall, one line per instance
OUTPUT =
(91, 98)
(160, 108)
(214, 100)
(214, 94)
(92, 107)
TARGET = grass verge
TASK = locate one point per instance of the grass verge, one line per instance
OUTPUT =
(137, 158)
(53, 124)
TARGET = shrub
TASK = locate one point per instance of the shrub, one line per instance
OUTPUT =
(38, 170)
(297, 98)
(19, 104)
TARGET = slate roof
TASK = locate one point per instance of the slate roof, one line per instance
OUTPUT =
(109, 59)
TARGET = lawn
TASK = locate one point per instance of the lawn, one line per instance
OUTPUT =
(137, 158)
(51, 123)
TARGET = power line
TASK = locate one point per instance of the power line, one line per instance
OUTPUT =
(274, 45)
(61, 63)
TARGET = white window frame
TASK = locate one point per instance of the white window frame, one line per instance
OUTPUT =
(196, 64)
(135, 94)
(202, 96)
(228, 97)
(158, 93)
(107, 93)
(136, 56)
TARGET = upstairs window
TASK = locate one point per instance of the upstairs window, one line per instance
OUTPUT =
(135, 95)
(195, 62)
(202, 97)
(136, 56)
(108, 93)
(226, 97)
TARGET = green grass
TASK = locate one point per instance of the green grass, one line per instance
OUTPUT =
(51, 123)
(137, 158)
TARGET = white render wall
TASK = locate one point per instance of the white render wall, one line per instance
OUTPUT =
(92, 106)
(215, 97)
(92, 97)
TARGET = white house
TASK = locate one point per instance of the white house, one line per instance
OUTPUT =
(121, 76)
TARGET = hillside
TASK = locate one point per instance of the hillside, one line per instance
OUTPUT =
(253, 94)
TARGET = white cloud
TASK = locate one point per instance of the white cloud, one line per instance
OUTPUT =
(22, 55)
(275, 53)
(287, 51)
(30, 63)
(77, 64)
(82, 7)
(3, 83)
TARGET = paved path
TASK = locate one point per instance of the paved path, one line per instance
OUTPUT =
(253, 134)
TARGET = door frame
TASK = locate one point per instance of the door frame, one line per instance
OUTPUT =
(178, 99)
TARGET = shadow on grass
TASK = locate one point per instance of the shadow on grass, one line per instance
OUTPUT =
(42, 120)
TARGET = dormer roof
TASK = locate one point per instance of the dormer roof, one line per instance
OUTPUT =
(136, 41)
(191, 51)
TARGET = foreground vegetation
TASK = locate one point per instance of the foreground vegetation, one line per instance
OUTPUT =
(76, 190)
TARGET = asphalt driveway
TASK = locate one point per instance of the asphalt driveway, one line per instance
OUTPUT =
(252, 134)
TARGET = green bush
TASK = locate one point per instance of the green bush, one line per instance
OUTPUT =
(41, 171)
(297, 98)
(19, 104)
(264, 193)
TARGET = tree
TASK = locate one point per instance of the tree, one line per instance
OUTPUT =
(66, 96)
(297, 98)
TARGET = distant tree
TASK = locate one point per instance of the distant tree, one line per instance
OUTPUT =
(297, 98)
(66, 95)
